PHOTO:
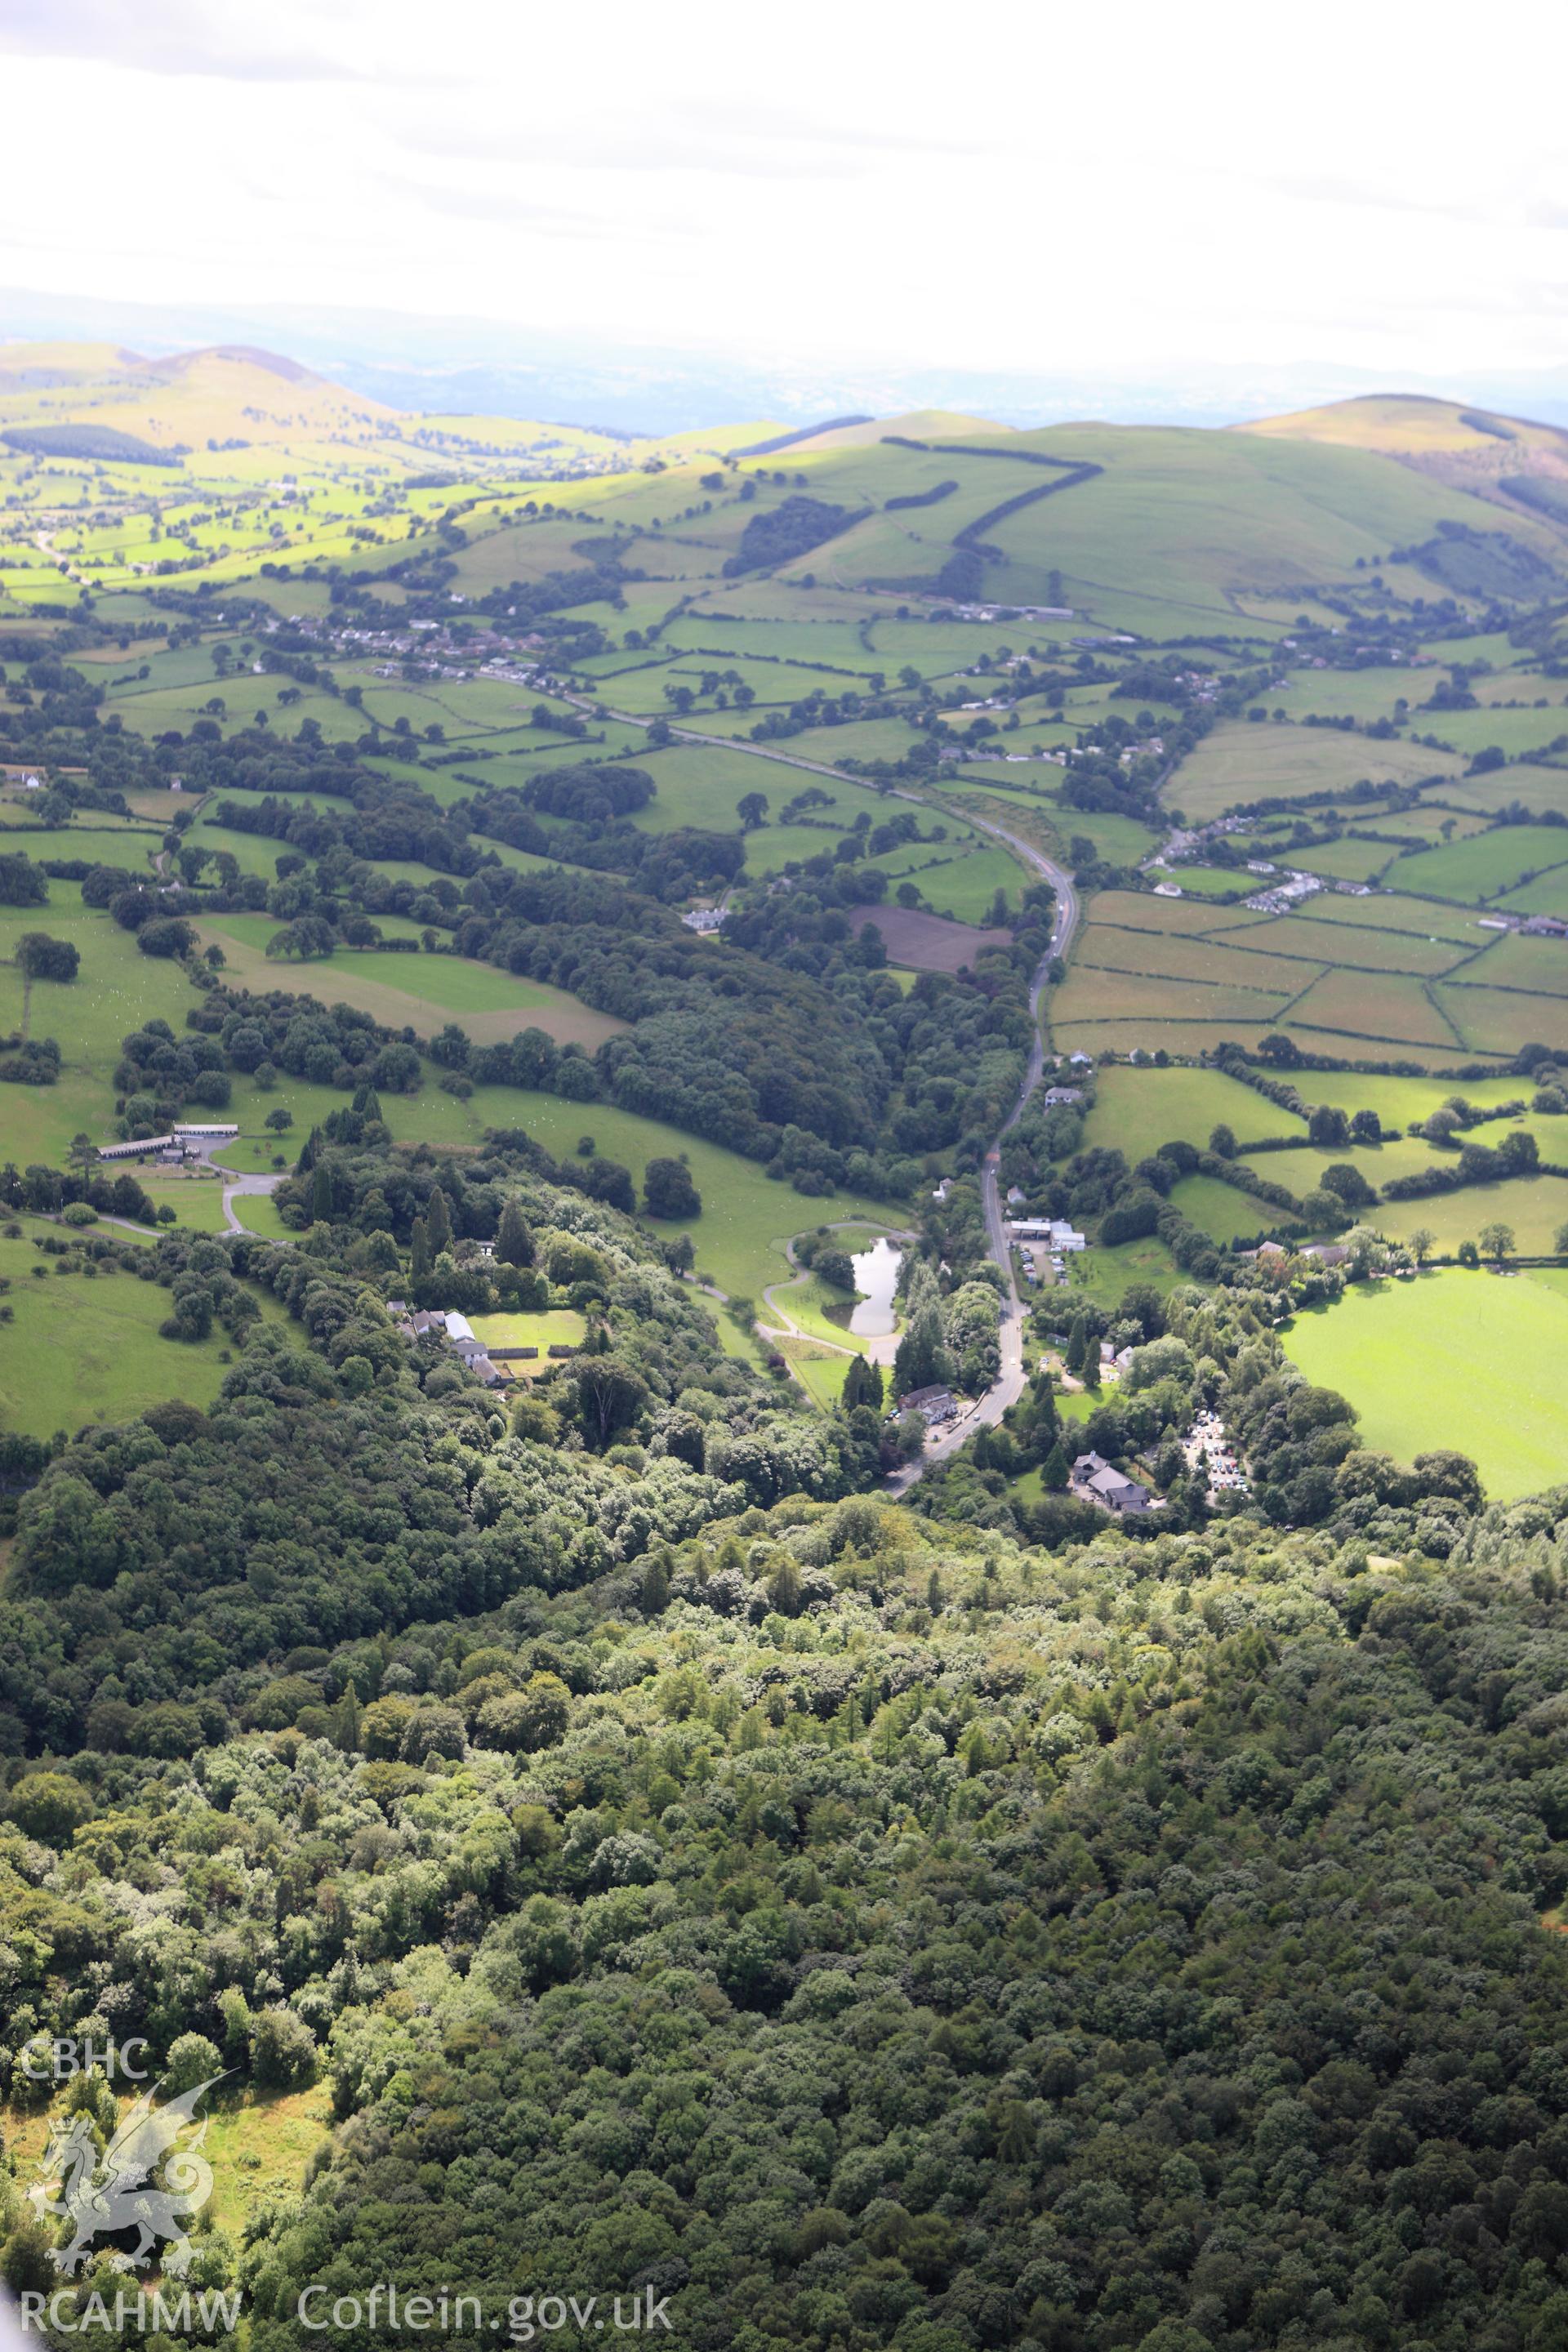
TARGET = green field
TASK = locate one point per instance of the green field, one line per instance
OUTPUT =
(820, 1372)
(1548, 895)
(1535, 1207)
(1137, 1110)
(1147, 972)
(552, 1326)
(1103, 1275)
(84, 1349)
(1209, 881)
(1223, 1213)
(1456, 1359)
(420, 992)
(1539, 788)
(1239, 763)
(1475, 872)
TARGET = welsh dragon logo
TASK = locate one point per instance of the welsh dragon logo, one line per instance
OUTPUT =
(145, 2181)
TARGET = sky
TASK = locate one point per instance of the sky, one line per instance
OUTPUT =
(1124, 189)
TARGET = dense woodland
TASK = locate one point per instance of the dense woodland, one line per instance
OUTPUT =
(688, 1871)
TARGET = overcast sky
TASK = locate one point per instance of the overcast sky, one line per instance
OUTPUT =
(1018, 187)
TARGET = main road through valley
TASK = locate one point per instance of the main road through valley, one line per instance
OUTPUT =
(1008, 1385)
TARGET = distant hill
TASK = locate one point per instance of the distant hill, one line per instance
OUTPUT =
(224, 394)
(100, 402)
(1511, 461)
(1167, 528)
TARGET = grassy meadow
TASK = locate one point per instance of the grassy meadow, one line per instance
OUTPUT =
(1457, 1358)
(80, 1347)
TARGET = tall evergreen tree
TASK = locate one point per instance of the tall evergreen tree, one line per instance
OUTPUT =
(418, 1251)
(346, 1727)
(321, 1194)
(514, 1242)
(439, 1221)
(656, 1585)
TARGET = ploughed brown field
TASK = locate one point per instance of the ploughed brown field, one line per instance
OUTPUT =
(927, 942)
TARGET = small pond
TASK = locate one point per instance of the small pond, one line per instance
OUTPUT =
(876, 1274)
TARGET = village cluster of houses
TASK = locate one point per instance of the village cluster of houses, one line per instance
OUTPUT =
(429, 646)
(1281, 896)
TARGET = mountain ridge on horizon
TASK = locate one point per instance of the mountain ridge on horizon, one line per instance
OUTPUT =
(1442, 431)
(405, 362)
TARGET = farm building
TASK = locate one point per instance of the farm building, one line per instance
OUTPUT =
(144, 1148)
(458, 1334)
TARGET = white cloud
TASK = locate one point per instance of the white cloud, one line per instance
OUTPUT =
(1068, 190)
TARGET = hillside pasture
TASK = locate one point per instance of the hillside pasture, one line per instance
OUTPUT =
(1236, 763)
(419, 991)
(1534, 1207)
(1499, 1021)
(1399, 1101)
(84, 1349)
(964, 888)
(1475, 872)
(1422, 919)
(1136, 1110)
(1209, 881)
(1547, 895)
(1517, 733)
(1362, 694)
(1245, 965)
(1300, 1168)
(746, 1217)
(1383, 1009)
(1140, 1004)
(1349, 859)
(1223, 1211)
(1537, 967)
(1542, 789)
(1137, 910)
(1359, 948)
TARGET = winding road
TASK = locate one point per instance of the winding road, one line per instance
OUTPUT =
(1008, 1385)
